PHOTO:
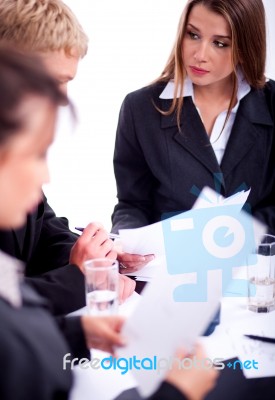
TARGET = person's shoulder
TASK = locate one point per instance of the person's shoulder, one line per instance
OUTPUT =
(269, 84)
(151, 91)
(266, 92)
(269, 92)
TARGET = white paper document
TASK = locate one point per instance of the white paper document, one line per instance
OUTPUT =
(145, 240)
(262, 353)
(150, 239)
(159, 325)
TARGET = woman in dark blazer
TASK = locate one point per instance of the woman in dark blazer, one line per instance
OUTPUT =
(208, 120)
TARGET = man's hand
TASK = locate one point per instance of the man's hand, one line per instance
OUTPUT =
(93, 243)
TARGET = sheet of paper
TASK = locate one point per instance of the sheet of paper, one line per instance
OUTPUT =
(247, 351)
(150, 240)
(229, 340)
(218, 345)
(262, 353)
(159, 325)
(100, 383)
(145, 240)
(209, 198)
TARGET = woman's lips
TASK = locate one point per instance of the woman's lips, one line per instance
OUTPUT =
(198, 71)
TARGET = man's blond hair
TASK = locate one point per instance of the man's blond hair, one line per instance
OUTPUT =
(41, 25)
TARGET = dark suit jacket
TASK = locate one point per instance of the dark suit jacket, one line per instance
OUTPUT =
(165, 392)
(156, 165)
(44, 244)
(31, 352)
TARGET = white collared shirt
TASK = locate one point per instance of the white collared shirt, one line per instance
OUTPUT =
(10, 277)
(218, 140)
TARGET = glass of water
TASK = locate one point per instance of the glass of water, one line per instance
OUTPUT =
(101, 281)
(261, 276)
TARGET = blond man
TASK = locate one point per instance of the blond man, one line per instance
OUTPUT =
(52, 253)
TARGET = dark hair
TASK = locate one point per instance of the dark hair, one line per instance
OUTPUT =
(246, 19)
(22, 75)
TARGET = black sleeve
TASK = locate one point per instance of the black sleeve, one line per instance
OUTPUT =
(164, 392)
(167, 392)
(52, 241)
(134, 179)
(72, 331)
(63, 287)
(265, 210)
(31, 353)
(47, 244)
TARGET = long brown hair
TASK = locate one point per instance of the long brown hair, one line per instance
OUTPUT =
(246, 19)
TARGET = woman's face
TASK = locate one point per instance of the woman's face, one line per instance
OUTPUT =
(23, 167)
(207, 48)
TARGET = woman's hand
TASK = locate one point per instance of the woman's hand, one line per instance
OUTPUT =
(195, 382)
(103, 333)
(132, 262)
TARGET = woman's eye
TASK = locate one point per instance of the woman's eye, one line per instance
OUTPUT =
(219, 44)
(193, 35)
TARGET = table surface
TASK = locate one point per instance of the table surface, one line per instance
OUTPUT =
(225, 342)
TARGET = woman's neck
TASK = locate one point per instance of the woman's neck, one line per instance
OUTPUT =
(214, 94)
(211, 101)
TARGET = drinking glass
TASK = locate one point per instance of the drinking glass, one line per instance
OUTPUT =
(101, 281)
(261, 276)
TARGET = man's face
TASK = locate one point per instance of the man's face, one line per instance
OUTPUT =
(63, 67)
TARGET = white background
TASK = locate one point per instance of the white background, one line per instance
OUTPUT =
(130, 42)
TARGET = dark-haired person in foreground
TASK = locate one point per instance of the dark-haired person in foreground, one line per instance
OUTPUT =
(31, 345)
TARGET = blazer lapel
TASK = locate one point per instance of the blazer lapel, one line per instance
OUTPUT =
(8, 244)
(25, 236)
(19, 235)
(252, 115)
(193, 136)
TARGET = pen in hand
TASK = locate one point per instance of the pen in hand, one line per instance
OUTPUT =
(111, 235)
